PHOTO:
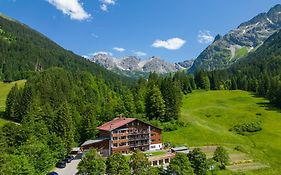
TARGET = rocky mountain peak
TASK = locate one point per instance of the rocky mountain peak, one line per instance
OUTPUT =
(240, 41)
(135, 64)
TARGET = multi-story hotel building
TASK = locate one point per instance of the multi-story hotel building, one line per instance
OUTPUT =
(124, 135)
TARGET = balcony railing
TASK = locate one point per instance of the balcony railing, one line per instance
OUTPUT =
(138, 138)
(138, 145)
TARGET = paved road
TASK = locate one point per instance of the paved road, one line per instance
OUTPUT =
(70, 169)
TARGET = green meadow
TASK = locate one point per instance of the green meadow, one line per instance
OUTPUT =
(4, 91)
(211, 114)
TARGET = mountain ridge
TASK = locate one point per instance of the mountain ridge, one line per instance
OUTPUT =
(25, 50)
(237, 43)
(135, 64)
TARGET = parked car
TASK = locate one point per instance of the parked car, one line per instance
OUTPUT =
(53, 173)
(61, 164)
(69, 159)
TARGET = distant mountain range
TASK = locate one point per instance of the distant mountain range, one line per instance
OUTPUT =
(136, 65)
(227, 49)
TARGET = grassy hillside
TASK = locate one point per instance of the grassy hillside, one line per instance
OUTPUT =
(211, 115)
(4, 91)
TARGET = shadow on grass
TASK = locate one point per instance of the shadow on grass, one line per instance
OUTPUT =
(2, 114)
(269, 106)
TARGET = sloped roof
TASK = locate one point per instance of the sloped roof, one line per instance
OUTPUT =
(115, 123)
(89, 142)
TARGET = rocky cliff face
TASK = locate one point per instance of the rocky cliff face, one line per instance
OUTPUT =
(226, 50)
(134, 64)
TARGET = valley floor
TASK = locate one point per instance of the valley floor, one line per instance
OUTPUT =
(210, 116)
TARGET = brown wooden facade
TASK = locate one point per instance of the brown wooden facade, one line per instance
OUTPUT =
(134, 135)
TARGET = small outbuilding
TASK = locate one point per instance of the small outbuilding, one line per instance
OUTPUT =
(181, 149)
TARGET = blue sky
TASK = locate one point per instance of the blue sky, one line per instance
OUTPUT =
(175, 30)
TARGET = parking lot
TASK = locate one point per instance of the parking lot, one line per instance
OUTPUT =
(71, 168)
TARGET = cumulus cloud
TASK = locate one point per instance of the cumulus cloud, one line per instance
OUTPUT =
(101, 53)
(86, 56)
(72, 8)
(108, 2)
(119, 49)
(105, 3)
(139, 53)
(205, 37)
(103, 7)
(170, 44)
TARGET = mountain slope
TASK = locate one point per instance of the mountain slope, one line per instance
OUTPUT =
(226, 50)
(23, 49)
(266, 59)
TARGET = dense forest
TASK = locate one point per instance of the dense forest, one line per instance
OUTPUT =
(58, 109)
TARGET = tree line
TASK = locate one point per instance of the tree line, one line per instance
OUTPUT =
(194, 162)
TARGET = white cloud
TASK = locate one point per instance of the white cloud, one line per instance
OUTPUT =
(101, 53)
(73, 8)
(139, 53)
(109, 2)
(103, 7)
(86, 56)
(105, 3)
(170, 44)
(205, 37)
(119, 49)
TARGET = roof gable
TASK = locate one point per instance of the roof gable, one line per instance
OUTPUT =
(115, 123)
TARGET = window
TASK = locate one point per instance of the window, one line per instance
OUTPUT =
(115, 138)
(155, 163)
(115, 145)
(123, 137)
(123, 144)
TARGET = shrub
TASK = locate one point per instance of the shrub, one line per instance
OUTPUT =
(245, 128)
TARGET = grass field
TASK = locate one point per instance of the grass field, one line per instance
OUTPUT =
(210, 116)
(4, 91)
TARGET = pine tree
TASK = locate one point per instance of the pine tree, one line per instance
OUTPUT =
(12, 103)
(155, 107)
(64, 125)
(172, 97)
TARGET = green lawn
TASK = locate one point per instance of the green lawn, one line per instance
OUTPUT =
(211, 114)
(242, 52)
(2, 122)
(4, 91)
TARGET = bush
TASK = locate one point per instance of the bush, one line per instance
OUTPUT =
(208, 115)
(173, 125)
(245, 128)
(240, 148)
